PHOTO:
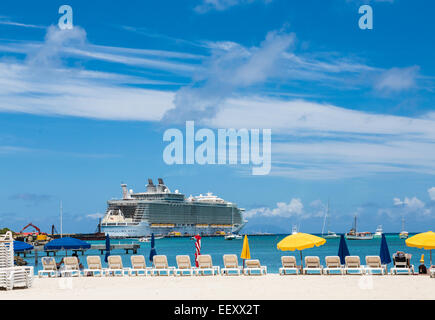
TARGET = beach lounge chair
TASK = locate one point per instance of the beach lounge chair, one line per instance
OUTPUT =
(374, 265)
(333, 265)
(138, 266)
(231, 265)
(402, 264)
(115, 267)
(312, 265)
(353, 265)
(49, 267)
(205, 266)
(160, 266)
(253, 267)
(432, 271)
(184, 267)
(94, 266)
(289, 265)
(71, 267)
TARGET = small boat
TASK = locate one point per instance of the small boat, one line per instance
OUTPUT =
(403, 234)
(330, 234)
(148, 238)
(378, 233)
(233, 236)
(354, 235)
(294, 229)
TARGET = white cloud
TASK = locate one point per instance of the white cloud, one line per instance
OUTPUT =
(220, 5)
(231, 67)
(431, 192)
(293, 208)
(95, 215)
(396, 79)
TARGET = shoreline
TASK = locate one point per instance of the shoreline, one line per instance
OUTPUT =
(268, 287)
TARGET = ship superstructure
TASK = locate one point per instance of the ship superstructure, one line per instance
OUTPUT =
(160, 211)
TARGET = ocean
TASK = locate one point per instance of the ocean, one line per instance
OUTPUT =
(262, 247)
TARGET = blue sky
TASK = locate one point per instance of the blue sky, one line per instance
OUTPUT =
(351, 111)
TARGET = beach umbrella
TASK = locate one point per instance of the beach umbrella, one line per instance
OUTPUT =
(107, 248)
(384, 253)
(20, 246)
(425, 240)
(246, 253)
(153, 249)
(197, 248)
(343, 251)
(300, 241)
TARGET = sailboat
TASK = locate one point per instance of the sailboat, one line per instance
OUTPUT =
(354, 235)
(330, 234)
(232, 235)
(403, 234)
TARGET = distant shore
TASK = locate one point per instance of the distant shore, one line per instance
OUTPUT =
(269, 287)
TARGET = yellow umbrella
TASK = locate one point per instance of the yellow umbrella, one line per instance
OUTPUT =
(425, 240)
(300, 241)
(246, 254)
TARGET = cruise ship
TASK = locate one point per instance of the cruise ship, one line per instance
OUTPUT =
(160, 211)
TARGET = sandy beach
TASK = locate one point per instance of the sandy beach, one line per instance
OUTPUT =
(267, 287)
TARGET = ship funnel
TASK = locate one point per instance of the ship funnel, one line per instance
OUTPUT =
(125, 194)
(161, 186)
(151, 187)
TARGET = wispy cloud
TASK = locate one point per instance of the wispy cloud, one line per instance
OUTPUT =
(221, 5)
(6, 21)
(32, 198)
(396, 79)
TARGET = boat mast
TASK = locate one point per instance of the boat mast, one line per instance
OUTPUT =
(61, 231)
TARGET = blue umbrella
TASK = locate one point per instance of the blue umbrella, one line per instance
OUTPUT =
(66, 243)
(343, 251)
(107, 247)
(384, 253)
(153, 250)
(20, 246)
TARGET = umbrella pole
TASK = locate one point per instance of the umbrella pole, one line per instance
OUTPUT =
(302, 263)
(430, 251)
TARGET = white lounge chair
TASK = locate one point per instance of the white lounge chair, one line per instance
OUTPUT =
(312, 265)
(289, 266)
(71, 267)
(333, 265)
(253, 267)
(49, 267)
(115, 267)
(138, 266)
(160, 266)
(184, 267)
(231, 265)
(432, 271)
(353, 265)
(374, 265)
(402, 264)
(94, 266)
(205, 266)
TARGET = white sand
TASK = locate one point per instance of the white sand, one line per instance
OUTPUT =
(271, 286)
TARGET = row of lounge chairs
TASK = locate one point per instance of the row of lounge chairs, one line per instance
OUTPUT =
(333, 266)
(160, 267)
(231, 267)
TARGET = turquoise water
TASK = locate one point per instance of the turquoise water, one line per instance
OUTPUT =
(262, 248)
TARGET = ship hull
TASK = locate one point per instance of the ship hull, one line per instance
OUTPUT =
(144, 230)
